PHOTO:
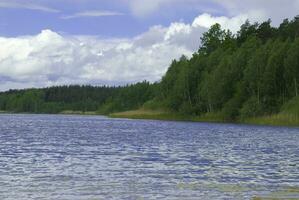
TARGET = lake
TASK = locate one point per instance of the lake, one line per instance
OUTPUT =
(94, 157)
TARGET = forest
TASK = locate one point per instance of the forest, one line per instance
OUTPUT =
(53, 100)
(252, 73)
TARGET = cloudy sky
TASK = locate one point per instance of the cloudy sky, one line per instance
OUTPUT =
(57, 42)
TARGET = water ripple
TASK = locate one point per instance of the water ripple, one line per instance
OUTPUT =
(75, 157)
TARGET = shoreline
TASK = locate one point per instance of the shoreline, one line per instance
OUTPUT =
(279, 120)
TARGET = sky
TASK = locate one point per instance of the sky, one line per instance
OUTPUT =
(112, 42)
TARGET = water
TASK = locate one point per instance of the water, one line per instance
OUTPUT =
(80, 157)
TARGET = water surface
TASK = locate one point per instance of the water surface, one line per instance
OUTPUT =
(82, 157)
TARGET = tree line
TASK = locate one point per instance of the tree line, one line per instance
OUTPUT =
(76, 98)
(251, 73)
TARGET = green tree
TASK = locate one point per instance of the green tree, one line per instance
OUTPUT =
(212, 39)
(292, 68)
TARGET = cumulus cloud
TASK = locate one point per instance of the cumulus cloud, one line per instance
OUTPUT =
(264, 9)
(233, 23)
(50, 58)
(274, 9)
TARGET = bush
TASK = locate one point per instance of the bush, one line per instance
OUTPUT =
(108, 108)
(230, 110)
(154, 104)
(291, 107)
(251, 108)
(186, 109)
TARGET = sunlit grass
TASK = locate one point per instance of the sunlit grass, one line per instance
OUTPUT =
(282, 119)
(167, 115)
(150, 114)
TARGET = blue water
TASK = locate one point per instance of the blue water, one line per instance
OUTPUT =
(92, 157)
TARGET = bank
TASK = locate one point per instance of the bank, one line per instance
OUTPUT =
(281, 119)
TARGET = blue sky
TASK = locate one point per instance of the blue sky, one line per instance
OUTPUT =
(122, 20)
(55, 42)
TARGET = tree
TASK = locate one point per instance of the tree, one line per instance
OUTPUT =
(212, 39)
(253, 74)
(292, 69)
(273, 87)
(247, 30)
(250, 74)
(265, 31)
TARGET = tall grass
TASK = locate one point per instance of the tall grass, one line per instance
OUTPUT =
(289, 115)
(151, 114)
(281, 119)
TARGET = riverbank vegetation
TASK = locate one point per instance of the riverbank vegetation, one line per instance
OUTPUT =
(251, 76)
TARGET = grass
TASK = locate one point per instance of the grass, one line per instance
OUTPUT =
(150, 114)
(282, 119)
(210, 117)
(167, 115)
(288, 116)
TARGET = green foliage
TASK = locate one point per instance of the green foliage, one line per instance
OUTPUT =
(291, 107)
(109, 107)
(129, 97)
(254, 73)
(292, 69)
(212, 39)
(251, 108)
(249, 74)
(77, 98)
(154, 104)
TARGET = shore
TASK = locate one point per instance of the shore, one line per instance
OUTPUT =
(273, 120)
(150, 114)
(282, 119)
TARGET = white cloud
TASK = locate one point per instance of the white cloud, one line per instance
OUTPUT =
(274, 9)
(92, 13)
(233, 23)
(277, 10)
(53, 59)
(25, 5)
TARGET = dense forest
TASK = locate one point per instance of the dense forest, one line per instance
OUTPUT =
(252, 73)
(53, 100)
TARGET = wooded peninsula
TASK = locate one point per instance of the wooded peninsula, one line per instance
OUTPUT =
(251, 76)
